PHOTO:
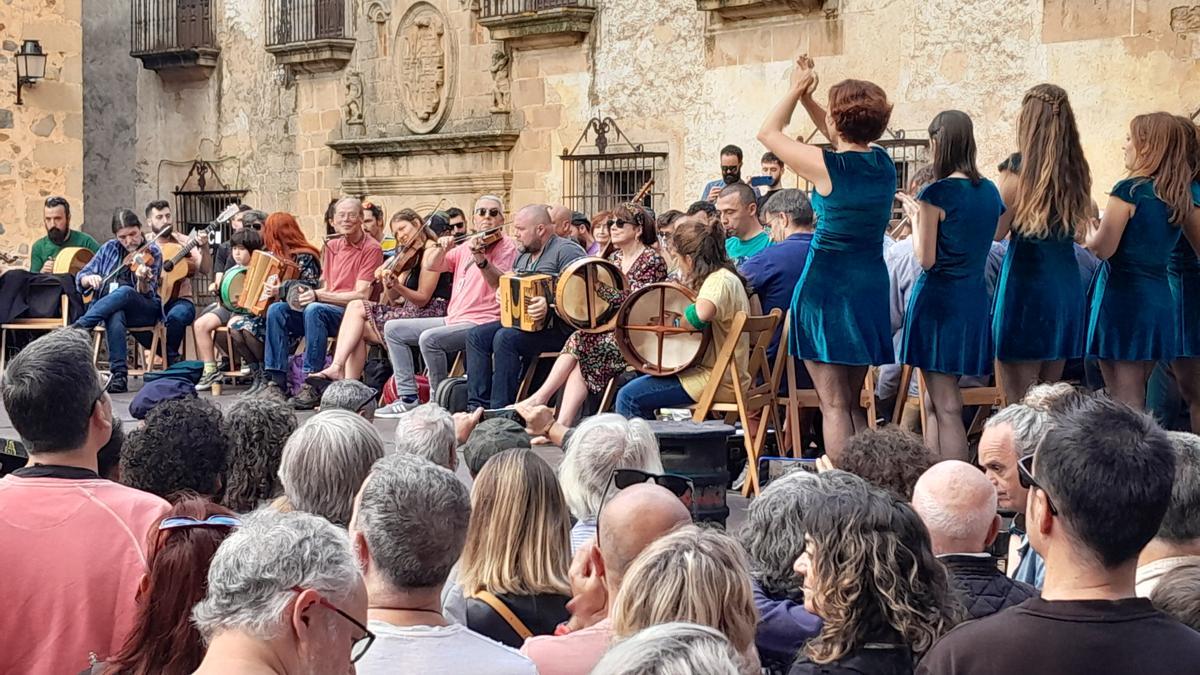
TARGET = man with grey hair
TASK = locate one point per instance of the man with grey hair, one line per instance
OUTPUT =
(325, 461)
(774, 272)
(347, 272)
(958, 506)
(350, 395)
(1009, 435)
(476, 269)
(1178, 539)
(284, 595)
(428, 431)
(409, 527)
(497, 356)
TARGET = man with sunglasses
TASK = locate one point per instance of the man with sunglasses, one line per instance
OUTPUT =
(458, 221)
(72, 544)
(635, 517)
(1099, 484)
(497, 356)
(284, 596)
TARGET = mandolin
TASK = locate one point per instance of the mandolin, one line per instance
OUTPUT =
(172, 272)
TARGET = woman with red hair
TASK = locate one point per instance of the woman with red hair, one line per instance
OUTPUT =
(163, 640)
(840, 316)
(282, 238)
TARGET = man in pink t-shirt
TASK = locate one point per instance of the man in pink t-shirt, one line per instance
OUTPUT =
(72, 544)
(477, 271)
(632, 520)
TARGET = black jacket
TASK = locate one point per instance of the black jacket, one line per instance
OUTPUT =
(875, 659)
(983, 588)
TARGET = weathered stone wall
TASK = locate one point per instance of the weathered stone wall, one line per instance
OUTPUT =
(109, 115)
(41, 146)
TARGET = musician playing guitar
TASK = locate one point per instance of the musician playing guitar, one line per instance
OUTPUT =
(179, 306)
(123, 277)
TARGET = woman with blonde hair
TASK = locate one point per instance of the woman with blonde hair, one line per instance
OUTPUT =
(676, 648)
(513, 569)
(1132, 321)
(1038, 311)
(695, 574)
(869, 572)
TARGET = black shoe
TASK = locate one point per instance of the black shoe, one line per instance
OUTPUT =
(258, 382)
(307, 399)
(119, 384)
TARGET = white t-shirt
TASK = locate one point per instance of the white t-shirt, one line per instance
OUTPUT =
(446, 650)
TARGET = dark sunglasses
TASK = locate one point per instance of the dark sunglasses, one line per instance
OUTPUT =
(358, 646)
(487, 212)
(105, 379)
(617, 223)
(680, 486)
(179, 522)
(1025, 477)
(459, 226)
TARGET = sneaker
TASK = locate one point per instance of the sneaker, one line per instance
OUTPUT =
(207, 380)
(395, 409)
(741, 479)
(119, 384)
(307, 399)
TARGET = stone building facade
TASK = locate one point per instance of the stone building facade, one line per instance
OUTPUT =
(413, 102)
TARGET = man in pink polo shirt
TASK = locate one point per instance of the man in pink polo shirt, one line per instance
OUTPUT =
(477, 271)
(347, 271)
(632, 520)
(72, 544)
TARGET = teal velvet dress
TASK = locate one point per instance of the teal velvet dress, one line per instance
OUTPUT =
(840, 306)
(946, 327)
(1183, 273)
(1039, 310)
(1132, 314)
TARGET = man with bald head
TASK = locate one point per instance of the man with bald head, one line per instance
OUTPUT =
(630, 521)
(347, 271)
(497, 356)
(560, 217)
(958, 505)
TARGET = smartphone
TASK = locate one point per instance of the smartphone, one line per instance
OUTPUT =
(761, 181)
(505, 413)
(770, 468)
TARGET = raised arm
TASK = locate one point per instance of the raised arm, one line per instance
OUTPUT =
(808, 161)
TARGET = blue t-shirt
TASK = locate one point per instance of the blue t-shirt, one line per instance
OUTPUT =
(773, 274)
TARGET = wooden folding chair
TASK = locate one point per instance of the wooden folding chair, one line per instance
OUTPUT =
(531, 372)
(754, 390)
(158, 347)
(986, 398)
(47, 323)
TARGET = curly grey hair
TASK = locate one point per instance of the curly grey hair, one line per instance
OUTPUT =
(428, 431)
(325, 462)
(773, 534)
(252, 573)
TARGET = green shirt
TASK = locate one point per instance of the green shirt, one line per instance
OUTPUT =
(44, 249)
(739, 250)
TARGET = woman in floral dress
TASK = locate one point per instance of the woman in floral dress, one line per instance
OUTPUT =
(590, 360)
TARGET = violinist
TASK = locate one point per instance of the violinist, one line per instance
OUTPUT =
(123, 279)
(409, 292)
(476, 262)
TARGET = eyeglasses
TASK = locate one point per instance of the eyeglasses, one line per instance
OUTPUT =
(617, 223)
(487, 212)
(179, 522)
(105, 379)
(1025, 477)
(358, 646)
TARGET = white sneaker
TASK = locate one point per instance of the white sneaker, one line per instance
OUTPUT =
(395, 409)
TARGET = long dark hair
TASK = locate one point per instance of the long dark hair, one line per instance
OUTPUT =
(163, 640)
(123, 218)
(1055, 179)
(704, 244)
(955, 148)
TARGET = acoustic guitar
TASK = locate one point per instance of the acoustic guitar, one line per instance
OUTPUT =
(173, 273)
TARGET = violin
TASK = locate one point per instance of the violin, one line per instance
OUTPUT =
(483, 238)
(142, 257)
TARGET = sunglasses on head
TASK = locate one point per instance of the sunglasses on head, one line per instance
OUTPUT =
(179, 522)
(1025, 477)
(680, 486)
(493, 212)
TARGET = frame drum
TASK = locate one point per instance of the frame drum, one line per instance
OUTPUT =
(231, 288)
(71, 259)
(576, 299)
(645, 334)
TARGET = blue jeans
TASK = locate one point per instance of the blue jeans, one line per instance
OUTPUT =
(497, 357)
(122, 308)
(316, 323)
(180, 314)
(645, 394)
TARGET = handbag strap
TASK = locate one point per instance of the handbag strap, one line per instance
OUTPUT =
(505, 613)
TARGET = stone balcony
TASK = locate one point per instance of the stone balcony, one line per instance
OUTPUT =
(734, 10)
(174, 37)
(313, 36)
(537, 24)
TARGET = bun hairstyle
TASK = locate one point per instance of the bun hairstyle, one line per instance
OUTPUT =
(1054, 180)
(704, 244)
(860, 110)
(1162, 153)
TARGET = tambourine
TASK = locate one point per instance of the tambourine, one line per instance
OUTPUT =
(646, 336)
(577, 299)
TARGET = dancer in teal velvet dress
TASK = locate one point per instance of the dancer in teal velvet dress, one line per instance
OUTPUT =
(841, 323)
(1038, 313)
(1132, 318)
(946, 326)
(1183, 273)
